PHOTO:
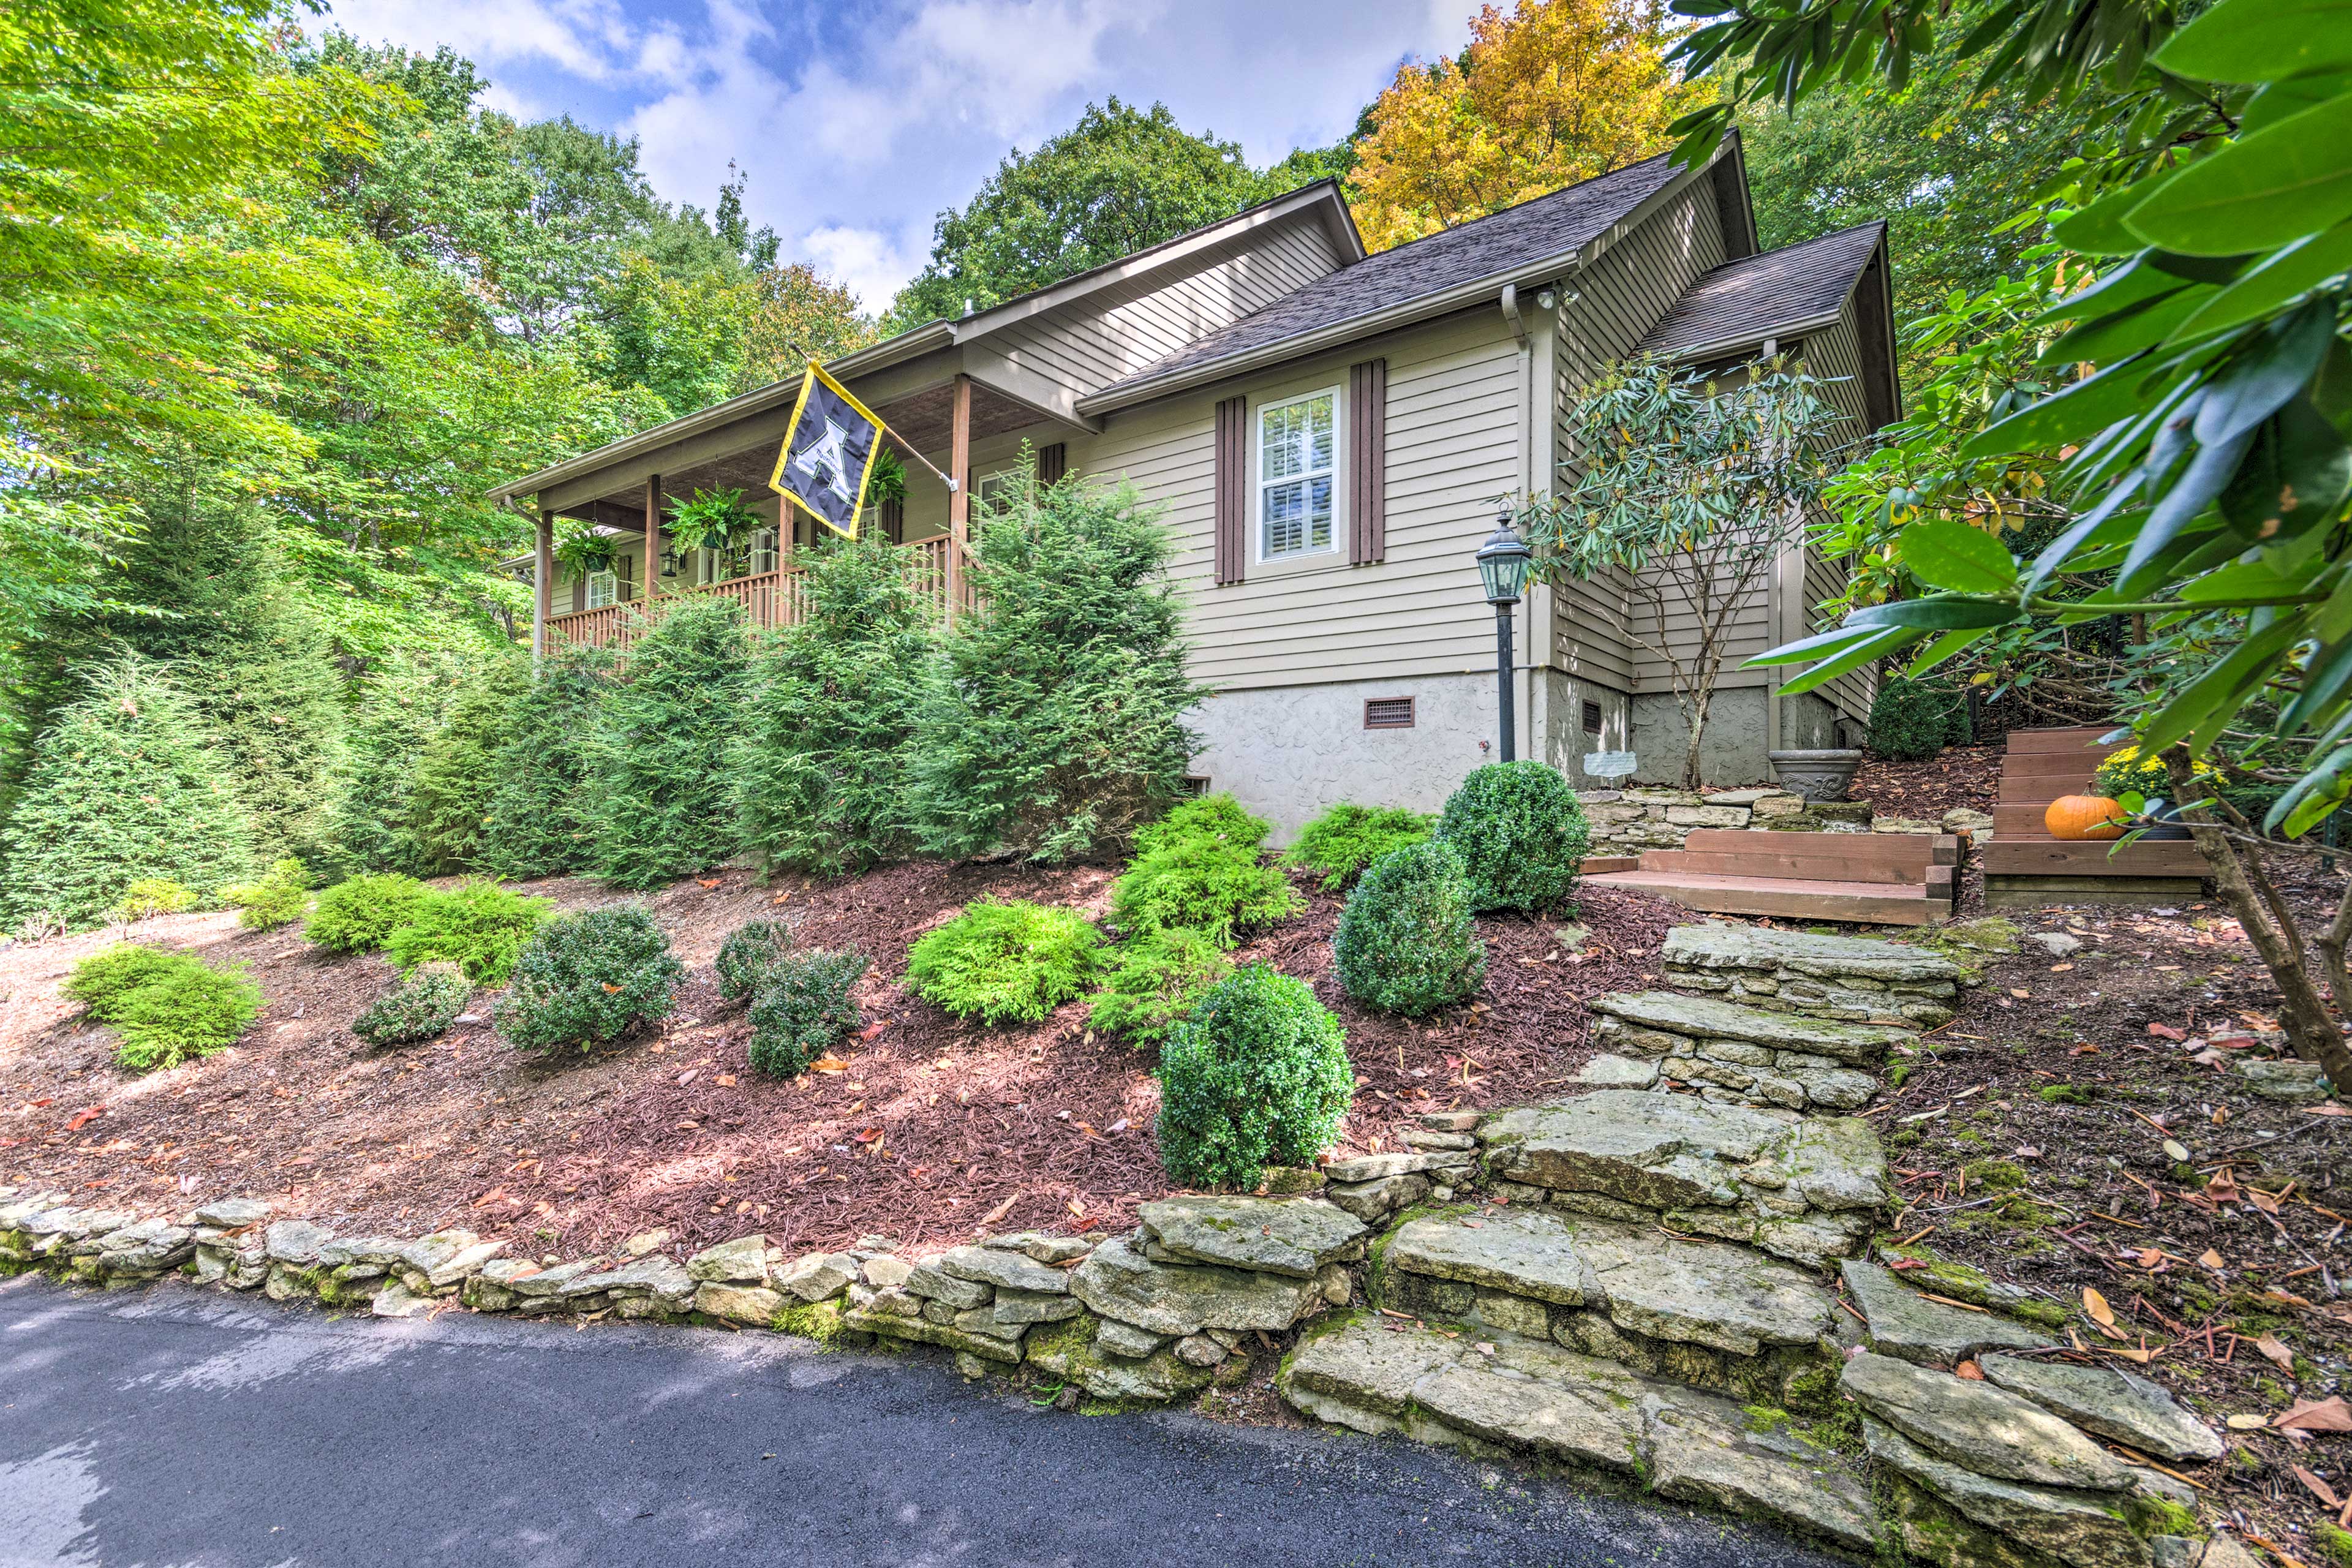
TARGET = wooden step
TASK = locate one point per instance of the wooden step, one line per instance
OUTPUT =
(2091, 857)
(2027, 743)
(1796, 898)
(1594, 865)
(1908, 851)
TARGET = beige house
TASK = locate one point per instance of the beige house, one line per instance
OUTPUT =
(1329, 435)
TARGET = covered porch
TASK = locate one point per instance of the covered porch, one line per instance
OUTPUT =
(935, 398)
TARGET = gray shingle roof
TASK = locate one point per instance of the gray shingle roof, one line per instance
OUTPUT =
(1485, 248)
(1761, 296)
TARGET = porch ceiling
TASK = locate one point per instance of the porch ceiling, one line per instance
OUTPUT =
(923, 418)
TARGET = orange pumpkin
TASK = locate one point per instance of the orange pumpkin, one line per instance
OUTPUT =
(2077, 817)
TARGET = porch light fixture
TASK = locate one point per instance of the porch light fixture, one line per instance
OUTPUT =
(1503, 568)
(668, 562)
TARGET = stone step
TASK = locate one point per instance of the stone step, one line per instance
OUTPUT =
(1739, 1055)
(1713, 945)
(1714, 1314)
(1503, 1394)
(1803, 1188)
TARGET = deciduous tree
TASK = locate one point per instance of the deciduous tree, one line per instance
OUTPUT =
(1553, 92)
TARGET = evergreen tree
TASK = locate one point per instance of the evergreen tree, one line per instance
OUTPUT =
(535, 826)
(820, 766)
(456, 774)
(371, 826)
(1059, 728)
(124, 786)
(205, 590)
(658, 801)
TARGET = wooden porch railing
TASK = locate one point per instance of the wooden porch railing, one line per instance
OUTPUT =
(768, 599)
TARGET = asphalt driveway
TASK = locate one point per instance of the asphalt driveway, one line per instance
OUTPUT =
(176, 1425)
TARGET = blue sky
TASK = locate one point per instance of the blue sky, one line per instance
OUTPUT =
(856, 124)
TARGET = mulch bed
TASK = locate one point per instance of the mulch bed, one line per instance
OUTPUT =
(1965, 776)
(2103, 1205)
(934, 1126)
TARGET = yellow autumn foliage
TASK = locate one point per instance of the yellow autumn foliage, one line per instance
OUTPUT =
(1554, 92)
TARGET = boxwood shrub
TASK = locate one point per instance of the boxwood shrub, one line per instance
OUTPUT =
(1521, 835)
(359, 914)
(1259, 1075)
(479, 926)
(802, 1007)
(419, 1008)
(1406, 943)
(1345, 839)
(747, 954)
(590, 978)
(1004, 963)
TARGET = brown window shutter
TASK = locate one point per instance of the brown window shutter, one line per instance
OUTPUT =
(1368, 462)
(1232, 480)
(1053, 462)
(894, 521)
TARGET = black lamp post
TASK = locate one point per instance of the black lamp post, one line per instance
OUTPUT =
(1503, 568)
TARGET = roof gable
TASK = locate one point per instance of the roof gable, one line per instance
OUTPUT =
(1765, 296)
(1532, 233)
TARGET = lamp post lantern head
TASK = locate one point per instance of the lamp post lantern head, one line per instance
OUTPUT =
(1503, 564)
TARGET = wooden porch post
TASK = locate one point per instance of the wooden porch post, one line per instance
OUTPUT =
(652, 538)
(960, 498)
(542, 582)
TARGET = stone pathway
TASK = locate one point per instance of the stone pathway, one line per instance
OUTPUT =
(1674, 1285)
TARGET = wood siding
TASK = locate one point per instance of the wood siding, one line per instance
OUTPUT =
(1835, 355)
(1604, 312)
(1110, 336)
(1454, 434)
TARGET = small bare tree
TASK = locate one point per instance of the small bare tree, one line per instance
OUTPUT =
(1692, 489)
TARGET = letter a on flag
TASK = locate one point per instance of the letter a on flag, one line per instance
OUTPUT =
(829, 449)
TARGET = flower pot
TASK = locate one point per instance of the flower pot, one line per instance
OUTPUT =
(1816, 775)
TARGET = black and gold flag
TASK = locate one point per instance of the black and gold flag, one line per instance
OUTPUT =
(829, 449)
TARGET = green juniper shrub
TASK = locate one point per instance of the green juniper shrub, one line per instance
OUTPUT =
(589, 979)
(106, 976)
(1154, 979)
(1005, 961)
(1059, 724)
(1912, 720)
(479, 926)
(396, 711)
(419, 1008)
(281, 896)
(1521, 835)
(1258, 1076)
(658, 796)
(748, 951)
(802, 1007)
(1345, 839)
(155, 896)
(168, 1007)
(359, 914)
(834, 712)
(124, 785)
(1209, 885)
(1406, 943)
(1219, 818)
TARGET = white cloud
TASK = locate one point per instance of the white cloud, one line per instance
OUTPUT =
(871, 263)
(855, 129)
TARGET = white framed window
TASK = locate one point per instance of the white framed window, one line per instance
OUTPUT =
(994, 490)
(604, 589)
(1297, 471)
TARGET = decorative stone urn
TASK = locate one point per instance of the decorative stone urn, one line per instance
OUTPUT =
(1816, 775)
